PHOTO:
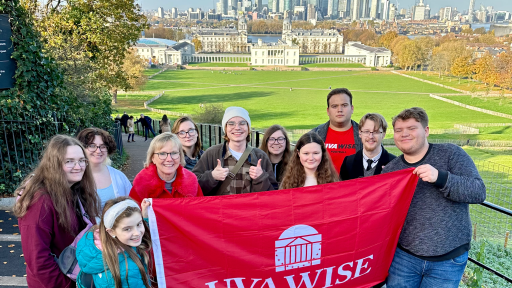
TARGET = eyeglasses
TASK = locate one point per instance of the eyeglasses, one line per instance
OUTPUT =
(163, 155)
(93, 147)
(71, 164)
(279, 140)
(232, 124)
(190, 132)
(368, 133)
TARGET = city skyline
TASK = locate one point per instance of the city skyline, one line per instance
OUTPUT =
(435, 5)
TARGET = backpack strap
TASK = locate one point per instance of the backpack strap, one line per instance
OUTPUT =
(86, 220)
(234, 170)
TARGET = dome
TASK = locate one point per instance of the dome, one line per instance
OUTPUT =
(298, 231)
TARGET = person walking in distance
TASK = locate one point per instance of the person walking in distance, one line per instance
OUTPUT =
(433, 245)
(340, 134)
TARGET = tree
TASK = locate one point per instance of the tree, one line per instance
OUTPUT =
(197, 44)
(133, 67)
(462, 67)
(485, 70)
(386, 39)
(410, 55)
(89, 39)
(480, 30)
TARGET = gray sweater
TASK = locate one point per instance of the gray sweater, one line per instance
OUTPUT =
(438, 219)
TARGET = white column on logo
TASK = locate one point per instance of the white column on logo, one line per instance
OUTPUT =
(287, 253)
(309, 252)
(297, 253)
(292, 254)
(304, 253)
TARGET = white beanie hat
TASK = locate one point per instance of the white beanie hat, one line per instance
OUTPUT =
(234, 111)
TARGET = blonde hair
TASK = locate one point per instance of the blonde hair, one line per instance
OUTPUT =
(379, 120)
(159, 142)
(111, 246)
(49, 178)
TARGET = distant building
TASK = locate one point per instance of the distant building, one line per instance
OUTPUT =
(419, 11)
(174, 13)
(160, 12)
(313, 41)
(224, 40)
(375, 56)
(164, 51)
(264, 54)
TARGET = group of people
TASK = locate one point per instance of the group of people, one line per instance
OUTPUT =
(74, 185)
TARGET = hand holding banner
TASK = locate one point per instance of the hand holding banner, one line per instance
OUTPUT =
(340, 234)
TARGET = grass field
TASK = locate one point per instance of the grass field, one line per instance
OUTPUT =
(465, 84)
(346, 65)
(498, 104)
(218, 64)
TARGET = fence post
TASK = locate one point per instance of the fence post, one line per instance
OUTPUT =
(506, 238)
(474, 232)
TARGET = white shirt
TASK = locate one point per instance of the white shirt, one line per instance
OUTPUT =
(375, 159)
(235, 154)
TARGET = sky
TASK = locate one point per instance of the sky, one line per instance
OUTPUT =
(435, 5)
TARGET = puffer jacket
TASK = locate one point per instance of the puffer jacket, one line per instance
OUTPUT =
(90, 260)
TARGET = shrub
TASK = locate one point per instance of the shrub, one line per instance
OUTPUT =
(209, 113)
(373, 68)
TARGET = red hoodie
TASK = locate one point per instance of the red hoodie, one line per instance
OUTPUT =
(42, 236)
(147, 184)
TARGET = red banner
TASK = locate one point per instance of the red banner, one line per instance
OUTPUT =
(341, 234)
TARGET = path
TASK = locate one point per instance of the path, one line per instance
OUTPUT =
(137, 151)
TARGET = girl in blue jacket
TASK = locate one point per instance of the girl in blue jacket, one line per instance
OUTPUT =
(116, 253)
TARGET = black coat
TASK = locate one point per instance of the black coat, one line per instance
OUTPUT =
(353, 168)
(124, 119)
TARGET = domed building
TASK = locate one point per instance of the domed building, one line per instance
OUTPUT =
(315, 41)
(224, 40)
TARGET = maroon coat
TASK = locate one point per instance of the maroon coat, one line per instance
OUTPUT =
(42, 236)
(147, 184)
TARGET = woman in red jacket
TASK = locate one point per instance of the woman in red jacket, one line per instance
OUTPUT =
(164, 175)
(48, 212)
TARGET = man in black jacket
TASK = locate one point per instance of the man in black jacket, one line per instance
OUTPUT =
(145, 121)
(373, 157)
(124, 122)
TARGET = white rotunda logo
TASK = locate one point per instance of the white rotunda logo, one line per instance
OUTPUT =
(298, 246)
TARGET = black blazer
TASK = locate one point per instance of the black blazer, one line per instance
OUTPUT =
(353, 168)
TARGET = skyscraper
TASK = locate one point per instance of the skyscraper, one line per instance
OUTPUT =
(356, 10)
(332, 8)
(344, 7)
(374, 9)
(470, 11)
(419, 11)
(259, 4)
(385, 10)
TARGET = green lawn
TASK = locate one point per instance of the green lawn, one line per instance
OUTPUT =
(451, 81)
(218, 64)
(325, 65)
(498, 104)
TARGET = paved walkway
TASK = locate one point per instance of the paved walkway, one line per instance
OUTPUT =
(137, 151)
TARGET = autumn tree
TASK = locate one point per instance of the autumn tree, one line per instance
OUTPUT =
(485, 70)
(462, 67)
(386, 39)
(197, 44)
(89, 40)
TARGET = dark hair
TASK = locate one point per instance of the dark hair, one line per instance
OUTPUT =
(165, 120)
(287, 151)
(87, 135)
(176, 128)
(416, 113)
(131, 117)
(295, 175)
(378, 119)
(337, 91)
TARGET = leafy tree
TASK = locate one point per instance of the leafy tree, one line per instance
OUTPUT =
(197, 44)
(485, 70)
(386, 39)
(462, 67)
(158, 31)
(89, 39)
(480, 30)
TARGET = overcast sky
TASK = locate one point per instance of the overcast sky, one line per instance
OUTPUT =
(435, 5)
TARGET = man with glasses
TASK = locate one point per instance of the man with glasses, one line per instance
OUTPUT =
(233, 167)
(433, 245)
(340, 133)
(373, 157)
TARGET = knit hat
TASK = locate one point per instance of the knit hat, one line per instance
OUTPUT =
(234, 111)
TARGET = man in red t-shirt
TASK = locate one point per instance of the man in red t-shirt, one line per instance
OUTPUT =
(340, 133)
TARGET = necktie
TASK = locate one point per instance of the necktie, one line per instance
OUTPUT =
(369, 167)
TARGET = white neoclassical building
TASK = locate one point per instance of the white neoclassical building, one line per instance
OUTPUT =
(164, 51)
(224, 40)
(316, 41)
(375, 56)
(282, 54)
